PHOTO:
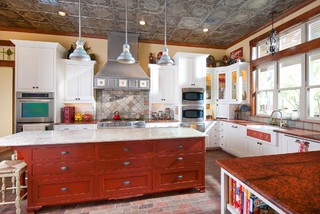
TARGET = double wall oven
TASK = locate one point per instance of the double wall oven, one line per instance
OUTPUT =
(192, 108)
(34, 108)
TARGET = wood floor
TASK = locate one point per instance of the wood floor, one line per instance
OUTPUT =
(186, 201)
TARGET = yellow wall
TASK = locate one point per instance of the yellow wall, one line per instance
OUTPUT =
(245, 43)
(99, 47)
(6, 78)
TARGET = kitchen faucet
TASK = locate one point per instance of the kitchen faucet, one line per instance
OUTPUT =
(278, 110)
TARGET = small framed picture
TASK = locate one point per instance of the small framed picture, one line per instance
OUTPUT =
(143, 83)
(123, 83)
(101, 82)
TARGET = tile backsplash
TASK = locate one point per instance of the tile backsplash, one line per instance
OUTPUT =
(128, 103)
(292, 123)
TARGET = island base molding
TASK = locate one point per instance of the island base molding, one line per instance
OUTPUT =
(81, 172)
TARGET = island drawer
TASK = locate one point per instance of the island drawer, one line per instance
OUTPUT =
(125, 148)
(178, 179)
(63, 168)
(57, 190)
(116, 185)
(178, 160)
(179, 146)
(63, 152)
(126, 164)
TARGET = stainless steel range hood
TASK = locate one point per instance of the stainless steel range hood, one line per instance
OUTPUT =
(114, 75)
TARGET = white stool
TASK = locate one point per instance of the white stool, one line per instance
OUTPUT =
(12, 168)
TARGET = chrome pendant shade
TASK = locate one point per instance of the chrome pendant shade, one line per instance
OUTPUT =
(126, 57)
(273, 41)
(165, 58)
(79, 53)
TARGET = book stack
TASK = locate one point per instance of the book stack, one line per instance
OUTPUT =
(244, 202)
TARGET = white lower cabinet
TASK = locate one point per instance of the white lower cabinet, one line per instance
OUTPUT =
(223, 134)
(291, 144)
(257, 148)
(236, 141)
(75, 127)
(213, 135)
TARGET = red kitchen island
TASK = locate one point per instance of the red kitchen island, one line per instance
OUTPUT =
(288, 183)
(76, 166)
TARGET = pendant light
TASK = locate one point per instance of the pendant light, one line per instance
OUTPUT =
(165, 58)
(79, 53)
(126, 57)
(273, 41)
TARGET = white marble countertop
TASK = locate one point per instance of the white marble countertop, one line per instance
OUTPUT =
(99, 135)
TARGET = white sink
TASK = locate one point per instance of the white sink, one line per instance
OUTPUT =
(263, 127)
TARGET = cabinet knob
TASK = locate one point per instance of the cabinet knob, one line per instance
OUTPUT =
(64, 152)
(180, 158)
(180, 176)
(126, 182)
(180, 146)
(37, 87)
(297, 141)
(126, 149)
(64, 168)
(126, 163)
(63, 189)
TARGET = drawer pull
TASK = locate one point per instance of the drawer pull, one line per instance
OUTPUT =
(126, 182)
(298, 141)
(180, 158)
(180, 146)
(126, 149)
(64, 168)
(63, 189)
(126, 163)
(64, 152)
(180, 176)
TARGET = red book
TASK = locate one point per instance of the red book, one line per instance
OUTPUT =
(231, 192)
(234, 183)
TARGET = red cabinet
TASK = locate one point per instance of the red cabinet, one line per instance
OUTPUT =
(70, 173)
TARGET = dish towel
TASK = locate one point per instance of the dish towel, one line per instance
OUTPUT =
(304, 146)
(34, 127)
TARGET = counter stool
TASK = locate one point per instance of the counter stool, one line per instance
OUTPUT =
(8, 169)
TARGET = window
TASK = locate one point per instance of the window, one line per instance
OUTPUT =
(262, 49)
(313, 86)
(314, 29)
(290, 38)
(265, 89)
(290, 84)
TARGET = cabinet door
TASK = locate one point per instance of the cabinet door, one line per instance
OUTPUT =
(85, 81)
(65, 127)
(162, 85)
(45, 72)
(269, 149)
(198, 73)
(86, 127)
(26, 68)
(186, 68)
(253, 148)
(221, 86)
(71, 84)
(166, 79)
(209, 81)
(234, 84)
(236, 142)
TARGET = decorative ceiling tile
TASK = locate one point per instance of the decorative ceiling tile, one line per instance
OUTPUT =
(189, 23)
(185, 18)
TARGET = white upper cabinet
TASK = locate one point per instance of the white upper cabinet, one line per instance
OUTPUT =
(232, 83)
(79, 81)
(37, 64)
(163, 80)
(192, 69)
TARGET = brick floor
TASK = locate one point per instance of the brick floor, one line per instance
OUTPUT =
(175, 202)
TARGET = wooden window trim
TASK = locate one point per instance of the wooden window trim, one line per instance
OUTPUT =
(299, 49)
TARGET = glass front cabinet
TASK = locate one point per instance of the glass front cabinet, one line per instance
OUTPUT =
(232, 83)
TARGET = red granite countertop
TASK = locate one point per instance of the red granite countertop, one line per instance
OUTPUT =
(289, 181)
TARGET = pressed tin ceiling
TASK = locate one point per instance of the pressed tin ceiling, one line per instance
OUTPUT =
(227, 20)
